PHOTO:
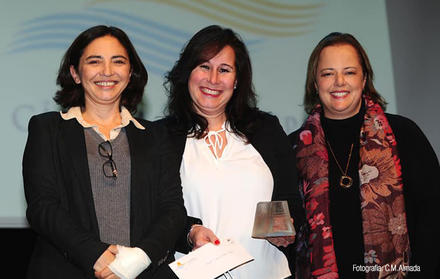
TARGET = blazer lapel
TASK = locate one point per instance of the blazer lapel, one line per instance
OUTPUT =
(73, 148)
(140, 188)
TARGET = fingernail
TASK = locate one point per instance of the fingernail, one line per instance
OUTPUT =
(217, 242)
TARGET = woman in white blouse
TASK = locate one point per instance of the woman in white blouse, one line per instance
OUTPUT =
(233, 154)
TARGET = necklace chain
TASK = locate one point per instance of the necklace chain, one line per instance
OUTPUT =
(345, 181)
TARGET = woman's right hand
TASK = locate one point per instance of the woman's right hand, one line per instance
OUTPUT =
(200, 235)
(101, 265)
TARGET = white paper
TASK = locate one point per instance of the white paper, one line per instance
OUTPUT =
(211, 261)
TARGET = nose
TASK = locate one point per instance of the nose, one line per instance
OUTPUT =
(107, 69)
(340, 80)
(213, 76)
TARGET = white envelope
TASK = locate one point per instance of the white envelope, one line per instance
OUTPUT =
(211, 261)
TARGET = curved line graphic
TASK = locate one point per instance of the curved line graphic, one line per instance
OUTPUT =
(246, 27)
(148, 23)
(99, 19)
(280, 13)
(249, 18)
(41, 45)
(54, 26)
(44, 36)
(261, 17)
(272, 4)
(157, 44)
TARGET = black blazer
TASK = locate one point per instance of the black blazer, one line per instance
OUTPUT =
(270, 140)
(60, 202)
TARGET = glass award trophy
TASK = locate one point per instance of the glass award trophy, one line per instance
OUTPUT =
(272, 219)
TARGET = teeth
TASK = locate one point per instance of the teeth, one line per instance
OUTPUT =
(339, 94)
(106, 83)
(209, 91)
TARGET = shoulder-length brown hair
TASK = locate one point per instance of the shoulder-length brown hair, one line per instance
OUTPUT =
(311, 97)
(241, 110)
(72, 94)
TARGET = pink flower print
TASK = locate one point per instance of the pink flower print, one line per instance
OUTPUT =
(318, 219)
(326, 232)
(306, 137)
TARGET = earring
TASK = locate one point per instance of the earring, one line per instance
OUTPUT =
(235, 85)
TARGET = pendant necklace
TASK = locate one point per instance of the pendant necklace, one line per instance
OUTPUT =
(345, 181)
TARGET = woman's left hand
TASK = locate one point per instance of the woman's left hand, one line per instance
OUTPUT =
(283, 241)
(201, 235)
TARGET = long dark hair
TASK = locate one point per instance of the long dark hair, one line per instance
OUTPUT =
(311, 98)
(72, 94)
(241, 109)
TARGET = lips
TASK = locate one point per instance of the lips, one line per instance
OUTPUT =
(340, 93)
(106, 83)
(210, 92)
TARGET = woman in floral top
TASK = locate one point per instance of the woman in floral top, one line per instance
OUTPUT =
(368, 178)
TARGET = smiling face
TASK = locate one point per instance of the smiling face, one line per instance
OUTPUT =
(340, 81)
(103, 71)
(211, 84)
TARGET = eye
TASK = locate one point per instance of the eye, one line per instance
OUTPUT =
(120, 61)
(351, 73)
(204, 66)
(326, 74)
(93, 61)
(225, 70)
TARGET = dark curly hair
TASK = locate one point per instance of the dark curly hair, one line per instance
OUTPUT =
(241, 110)
(72, 94)
(311, 98)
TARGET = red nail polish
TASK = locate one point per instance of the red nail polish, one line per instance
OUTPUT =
(217, 242)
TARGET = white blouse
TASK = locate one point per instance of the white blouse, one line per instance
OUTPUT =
(223, 192)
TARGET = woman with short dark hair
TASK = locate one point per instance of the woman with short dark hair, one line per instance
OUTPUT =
(71, 93)
(99, 183)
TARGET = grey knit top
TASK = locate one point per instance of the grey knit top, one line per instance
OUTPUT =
(111, 195)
